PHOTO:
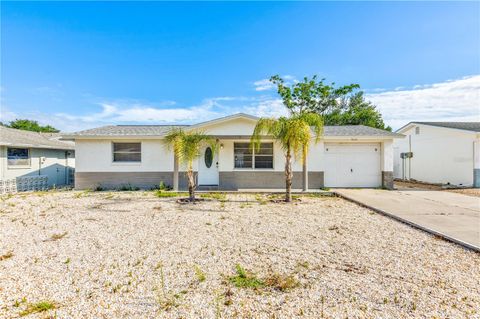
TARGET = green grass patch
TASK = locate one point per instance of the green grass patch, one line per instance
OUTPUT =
(6, 197)
(276, 281)
(281, 282)
(82, 194)
(319, 195)
(244, 279)
(214, 195)
(41, 306)
(200, 274)
(260, 199)
(162, 193)
(164, 187)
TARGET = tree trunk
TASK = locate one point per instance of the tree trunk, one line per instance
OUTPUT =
(305, 170)
(288, 175)
(191, 184)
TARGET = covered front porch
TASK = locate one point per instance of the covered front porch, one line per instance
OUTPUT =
(236, 166)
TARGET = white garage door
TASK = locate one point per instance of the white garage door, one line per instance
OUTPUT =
(352, 165)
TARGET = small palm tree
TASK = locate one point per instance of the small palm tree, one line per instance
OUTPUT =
(294, 135)
(316, 122)
(186, 146)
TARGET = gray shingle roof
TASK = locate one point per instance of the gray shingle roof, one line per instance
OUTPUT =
(128, 130)
(14, 137)
(160, 130)
(356, 130)
(468, 126)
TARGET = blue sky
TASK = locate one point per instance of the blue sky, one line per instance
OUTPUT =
(85, 64)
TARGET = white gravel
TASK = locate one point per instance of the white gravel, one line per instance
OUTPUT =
(349, 261)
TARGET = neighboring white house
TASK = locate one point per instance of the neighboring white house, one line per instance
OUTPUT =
(27, 154)
(442, 152)
(346, 156)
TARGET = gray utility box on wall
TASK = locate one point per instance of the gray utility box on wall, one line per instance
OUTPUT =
(406, 155)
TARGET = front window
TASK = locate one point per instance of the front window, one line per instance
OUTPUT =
(127, 152)
(245, 157)
(18, 157)
(264, 156)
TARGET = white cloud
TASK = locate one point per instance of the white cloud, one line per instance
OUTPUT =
(266, 85)
(263, 85)
(132, 112)
(266, 107)
(121, 112)
(6, 115)
(454, 100)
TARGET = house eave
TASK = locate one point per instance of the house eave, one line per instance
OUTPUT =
(409, 125)
(361, 137)
(223, 119)
(25, 145)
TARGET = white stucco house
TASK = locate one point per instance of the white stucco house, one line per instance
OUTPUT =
(30, 154)
(346, 156)
(442, 153)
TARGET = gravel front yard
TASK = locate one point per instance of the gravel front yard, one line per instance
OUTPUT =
(133, 255)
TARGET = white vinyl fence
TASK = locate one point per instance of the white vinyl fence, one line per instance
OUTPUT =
(22, 184)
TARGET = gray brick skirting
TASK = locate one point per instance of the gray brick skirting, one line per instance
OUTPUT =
(476, 177)
(387, 179)
(227, 180)
(114, 180)
(268, 180)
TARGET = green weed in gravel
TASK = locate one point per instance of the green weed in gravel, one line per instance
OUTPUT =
(41, 306)
(244, 279)
(162, 193)
(281, 282)
(200, 274)
(215, 195)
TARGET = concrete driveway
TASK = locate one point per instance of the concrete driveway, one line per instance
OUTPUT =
(451, 215)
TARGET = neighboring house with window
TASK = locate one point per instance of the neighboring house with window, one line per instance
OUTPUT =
(346, 156)
(439, 153)
(28, 154)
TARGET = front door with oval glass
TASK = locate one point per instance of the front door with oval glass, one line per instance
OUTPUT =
(208, 167)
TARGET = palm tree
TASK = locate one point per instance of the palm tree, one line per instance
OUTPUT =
(186, 146)
(294, 135)
(315, 121)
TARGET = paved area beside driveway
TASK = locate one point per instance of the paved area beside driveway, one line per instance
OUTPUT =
(454, 216)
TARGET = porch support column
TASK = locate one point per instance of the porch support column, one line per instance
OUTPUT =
(387, 164)
(476, 163)
(175, 173)
(305, 174)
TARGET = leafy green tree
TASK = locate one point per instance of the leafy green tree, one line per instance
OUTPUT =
(355, 110)
(338, 105)
(29, 125)
(311, 95)
(293, 134)
(186, 146)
